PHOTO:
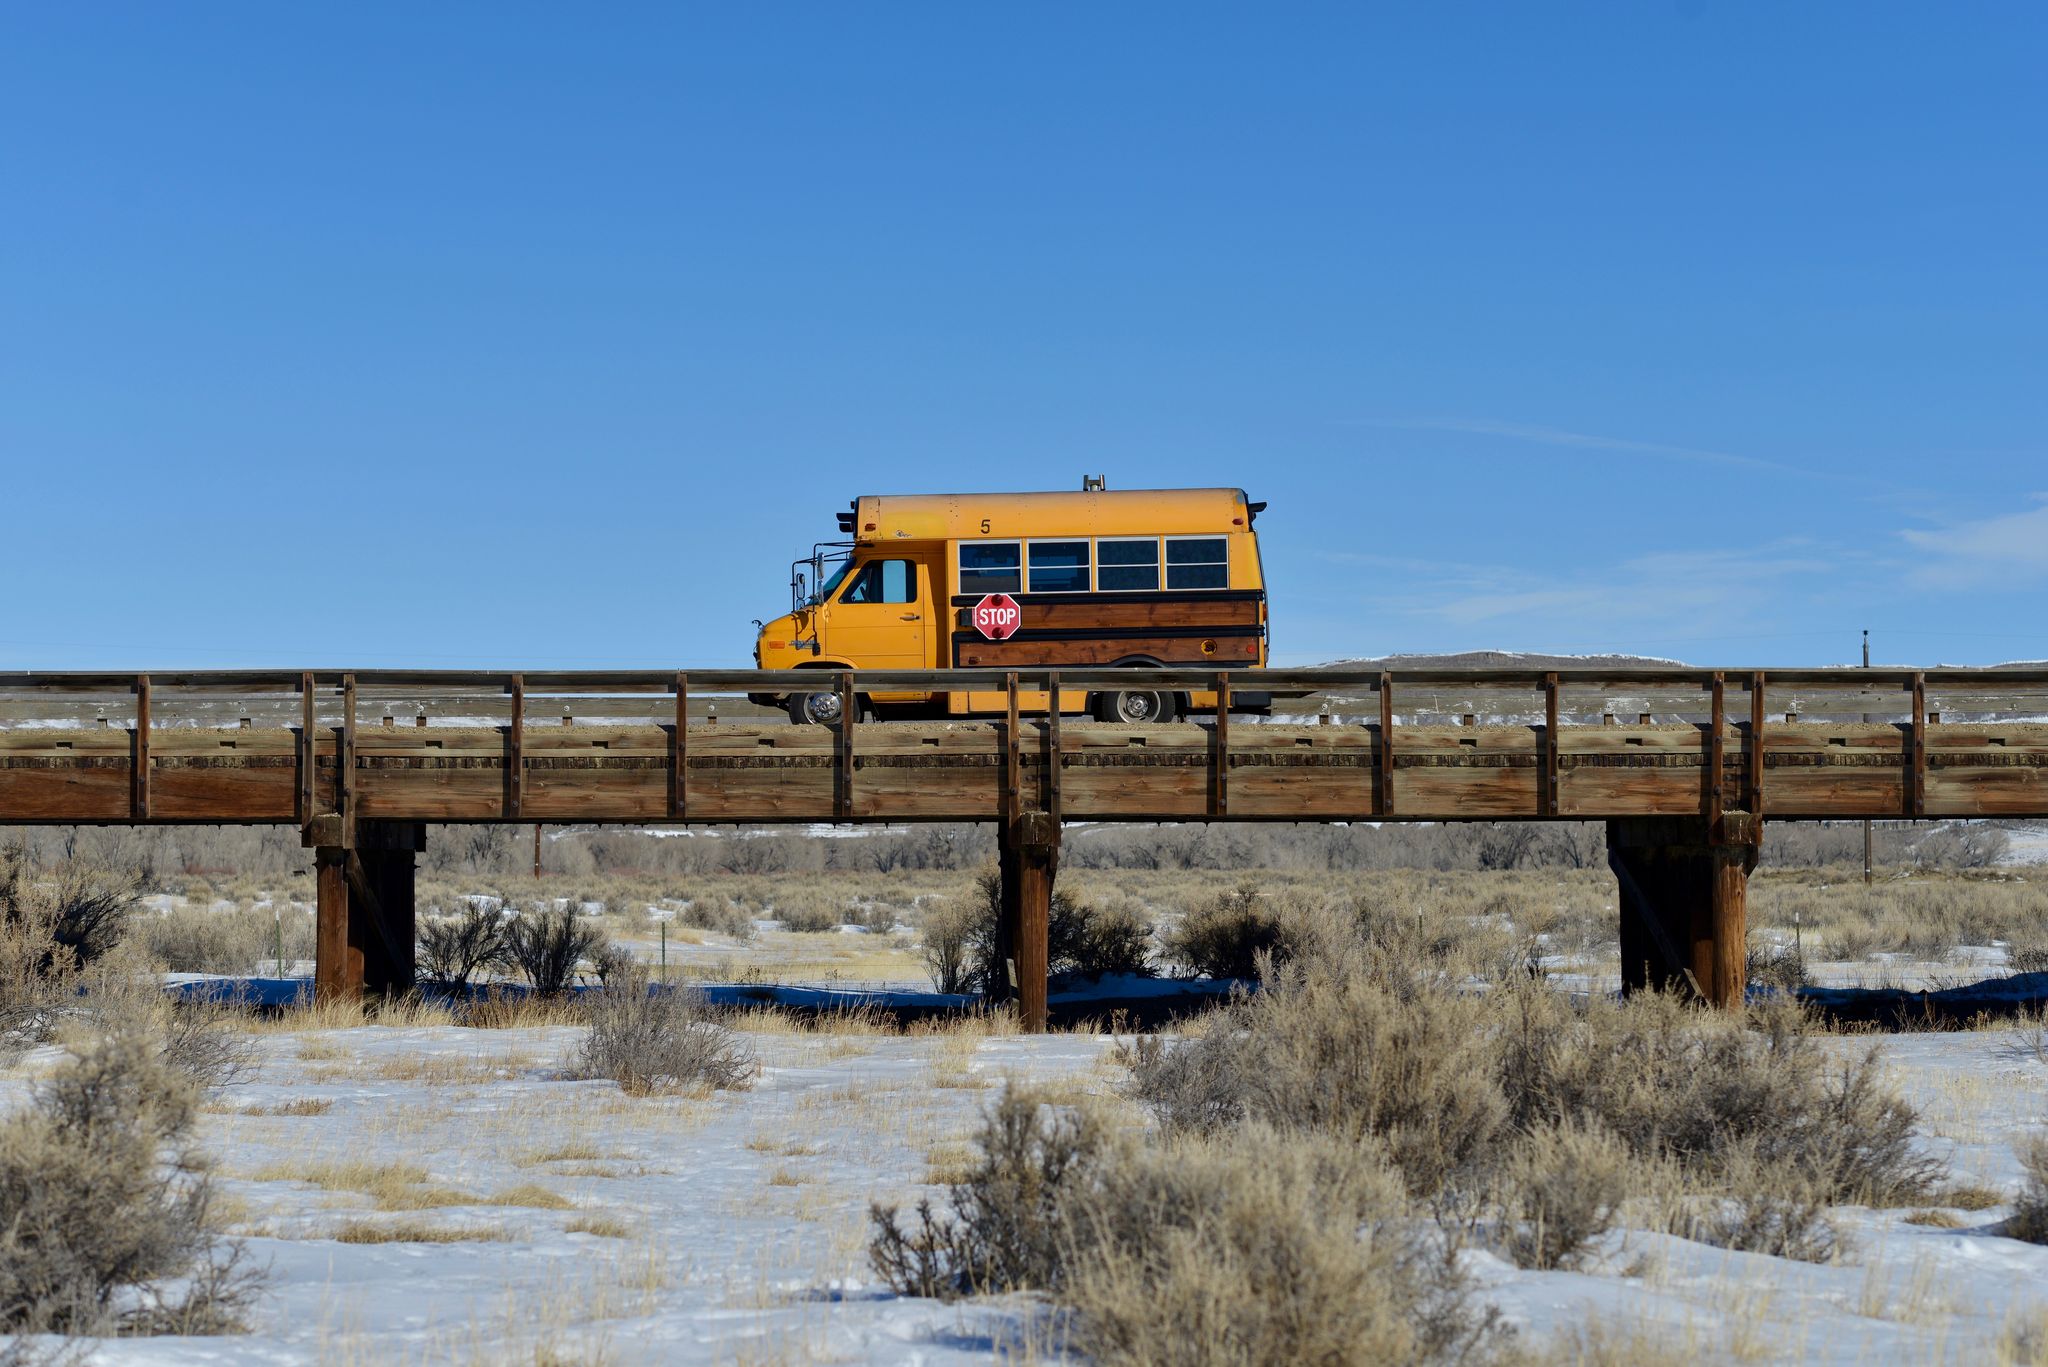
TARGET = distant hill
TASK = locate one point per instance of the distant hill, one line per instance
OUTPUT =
(1503, 659)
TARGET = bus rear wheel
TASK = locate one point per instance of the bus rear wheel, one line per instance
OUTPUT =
(1136, 706)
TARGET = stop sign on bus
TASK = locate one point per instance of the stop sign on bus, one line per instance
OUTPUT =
(997, 616)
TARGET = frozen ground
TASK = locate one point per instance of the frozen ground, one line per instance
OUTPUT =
(731, 1228)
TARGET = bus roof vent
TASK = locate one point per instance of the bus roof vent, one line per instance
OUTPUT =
(1093, 484)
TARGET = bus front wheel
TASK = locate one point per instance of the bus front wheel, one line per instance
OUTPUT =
(816, 709)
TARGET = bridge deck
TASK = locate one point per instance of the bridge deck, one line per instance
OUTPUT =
(923, 771)
(1684, 765)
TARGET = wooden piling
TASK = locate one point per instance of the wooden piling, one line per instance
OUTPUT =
(1684, 907)
(1028, 852)
(366, 912)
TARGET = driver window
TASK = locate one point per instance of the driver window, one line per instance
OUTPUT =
(883, 581)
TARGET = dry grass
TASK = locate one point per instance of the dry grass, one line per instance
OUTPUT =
(389, 1186)
(530, 1195)
(303, 1106)
(417, 1232)
(1937, 1219)
(601, 1226)
(575, 1151)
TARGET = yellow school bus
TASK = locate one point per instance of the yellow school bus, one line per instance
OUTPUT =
(1139, 577)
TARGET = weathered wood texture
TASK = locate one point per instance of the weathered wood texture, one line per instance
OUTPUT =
(204, 748)
(932, 771)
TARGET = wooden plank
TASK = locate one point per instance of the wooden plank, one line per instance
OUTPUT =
(1220, 763)
(1193, 615)
(679, 753)
(1385, 806)
(515, 751)
(1055, 753)
(1753, 762)
(345, 766)
(303, 802)
(139, 770)
(1917, 788)
(1717, 755)
(842, 787)
(1021, 652)
(1550, 745)
(1013, 780)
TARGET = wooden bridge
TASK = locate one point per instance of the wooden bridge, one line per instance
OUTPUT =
(1684, 765)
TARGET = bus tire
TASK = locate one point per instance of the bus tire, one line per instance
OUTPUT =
(817, 709)
(1136, 706)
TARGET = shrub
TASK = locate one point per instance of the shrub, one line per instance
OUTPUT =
(1226, 936)
(1007, 1228)
(86, 909)
(548, 943)
(1112, 937)
(809, 911)
(1712, 1092)
(650, 1039)
(53, 928)
(2030, 1209)
(1248, 1247)
(1259, 1247)
(1561, 1190)
(709, 911)
(233, 940)
(1779, 966)
(1330, 1047)
(454, 949)
(945, 942)
(1079, 937)
(110, 1215)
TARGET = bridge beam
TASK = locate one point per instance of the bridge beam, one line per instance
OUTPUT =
(1684, 904)
(1028, 855)
(364, 913)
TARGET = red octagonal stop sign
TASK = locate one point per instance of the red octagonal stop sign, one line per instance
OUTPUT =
(997, 616)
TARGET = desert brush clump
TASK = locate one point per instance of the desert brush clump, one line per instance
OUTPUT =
(56, 926)
(1230, 934)
(452, 950)
(549, 945)
(237, 939)
(945, 943)
(652, 1039)
(1081, 937)
(1255, 1246)
(2029, 1218)
(1250, 1246)
(1509, 1108)
(111, 1216)
(1006, 1223)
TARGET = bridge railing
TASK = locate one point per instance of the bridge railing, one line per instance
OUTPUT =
(1488, 696)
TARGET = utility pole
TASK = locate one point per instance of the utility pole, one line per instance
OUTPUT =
(536, 850)
(1866, 820)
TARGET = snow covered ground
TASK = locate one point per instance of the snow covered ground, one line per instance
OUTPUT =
(731, 1228)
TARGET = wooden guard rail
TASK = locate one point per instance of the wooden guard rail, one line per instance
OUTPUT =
(1406, 745)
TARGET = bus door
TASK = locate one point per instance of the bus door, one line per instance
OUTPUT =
(884, 619)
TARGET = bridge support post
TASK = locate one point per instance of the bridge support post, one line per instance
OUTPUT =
(364, 913)
(1684, 904)
(1028, 851)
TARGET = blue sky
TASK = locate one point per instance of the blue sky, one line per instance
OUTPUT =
(546, 336)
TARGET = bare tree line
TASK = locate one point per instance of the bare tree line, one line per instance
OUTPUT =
(161, 855)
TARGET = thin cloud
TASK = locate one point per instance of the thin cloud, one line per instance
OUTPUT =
(1721, 587)
(1991, 547)
(1587, 441)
